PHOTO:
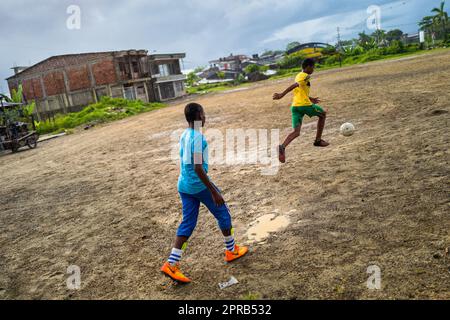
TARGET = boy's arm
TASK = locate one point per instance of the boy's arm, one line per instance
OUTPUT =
(198, 167)
(278, 96)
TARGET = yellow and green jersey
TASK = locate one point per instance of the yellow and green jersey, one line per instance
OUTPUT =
(301, 93)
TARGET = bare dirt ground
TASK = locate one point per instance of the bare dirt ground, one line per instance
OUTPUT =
(106, 200)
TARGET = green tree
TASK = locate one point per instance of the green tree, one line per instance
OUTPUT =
(441, 18)
(395, 34)
(366, 41)
(192, 79)
(292, 61)
(380, 36)
(427, 24)
(251, 68)
(292, 45)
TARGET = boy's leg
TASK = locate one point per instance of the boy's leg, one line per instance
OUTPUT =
(191, 207)
(292, 136)
(322, 115)
(223, 217)
(297, 118)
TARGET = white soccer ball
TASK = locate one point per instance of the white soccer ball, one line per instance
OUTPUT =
(347, 129)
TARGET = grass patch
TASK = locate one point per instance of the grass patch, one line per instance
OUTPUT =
(106, 110)
(215, 87)
(251, 296)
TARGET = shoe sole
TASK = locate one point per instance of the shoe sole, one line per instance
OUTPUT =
(237, 257)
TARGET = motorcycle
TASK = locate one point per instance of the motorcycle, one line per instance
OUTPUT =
(15, 134)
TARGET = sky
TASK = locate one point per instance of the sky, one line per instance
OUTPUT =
(32, 31)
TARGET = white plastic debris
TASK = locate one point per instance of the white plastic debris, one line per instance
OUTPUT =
(229, 283)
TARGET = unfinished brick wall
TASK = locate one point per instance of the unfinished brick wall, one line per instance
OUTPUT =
(54, 83)
(79, 78)
(104, 72)
(32, 89)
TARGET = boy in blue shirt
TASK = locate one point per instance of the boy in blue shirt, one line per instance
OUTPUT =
(194, 188)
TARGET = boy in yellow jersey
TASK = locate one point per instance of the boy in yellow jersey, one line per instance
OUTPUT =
(302, 104)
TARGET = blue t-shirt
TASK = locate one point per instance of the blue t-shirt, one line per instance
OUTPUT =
(191, 141)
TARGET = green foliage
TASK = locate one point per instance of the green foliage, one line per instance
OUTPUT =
(395, 47)
(29, 109)
(220, 74)
(192, 79)
(240, 79)
(366, 41)
(329, 50)
(441, 19)
(108, 109)
(252, 68)
(17, 95)
(291, 61)
(395, 34)
(251, 296)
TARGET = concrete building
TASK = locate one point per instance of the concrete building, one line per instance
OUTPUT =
(67, 83)
(230, 66)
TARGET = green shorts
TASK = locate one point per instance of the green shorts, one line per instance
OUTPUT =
(299, 112)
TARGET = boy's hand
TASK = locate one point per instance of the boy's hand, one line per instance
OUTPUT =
(277, 96)
(315, 100)
(218, 199)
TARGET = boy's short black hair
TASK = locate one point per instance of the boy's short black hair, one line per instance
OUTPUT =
(308, 63)
(191, 111)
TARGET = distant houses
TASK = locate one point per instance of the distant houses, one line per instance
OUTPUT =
(231, 67)
(67, 83)
(223, 69)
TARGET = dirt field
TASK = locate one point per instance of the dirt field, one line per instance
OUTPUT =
(106, 200)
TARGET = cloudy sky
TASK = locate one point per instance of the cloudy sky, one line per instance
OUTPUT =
(205, 29)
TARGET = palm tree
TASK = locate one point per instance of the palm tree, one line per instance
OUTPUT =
(427, 23)
(441, 17)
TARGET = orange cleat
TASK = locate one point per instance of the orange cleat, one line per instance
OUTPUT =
(236, 254)
(174, 272)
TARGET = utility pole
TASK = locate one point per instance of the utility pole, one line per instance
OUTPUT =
(339, 45)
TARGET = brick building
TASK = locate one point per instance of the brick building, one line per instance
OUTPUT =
(67, 83)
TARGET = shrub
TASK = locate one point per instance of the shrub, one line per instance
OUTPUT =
(395, 47)
(331, 60)
(291, 61)
(251, 68)
(106, 110)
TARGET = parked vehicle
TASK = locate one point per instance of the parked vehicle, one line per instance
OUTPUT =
(14, 131)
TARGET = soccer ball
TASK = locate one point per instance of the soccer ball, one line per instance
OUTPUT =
(347, 129)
